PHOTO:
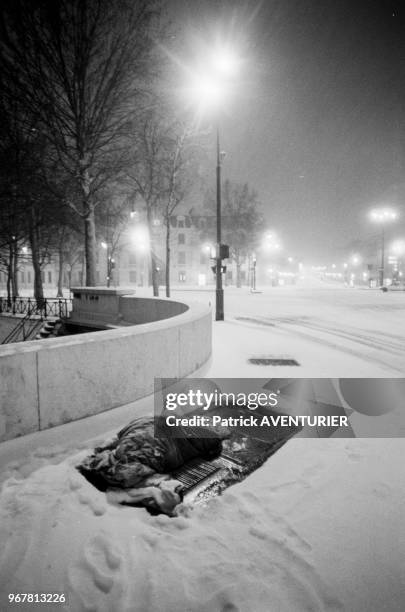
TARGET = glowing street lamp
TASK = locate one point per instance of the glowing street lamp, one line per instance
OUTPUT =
(110, 262)
(355, 260)
(271, 242)
(140, 238)
(398, 247)
(382, 216)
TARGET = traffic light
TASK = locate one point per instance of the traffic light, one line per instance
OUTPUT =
(214, 269)
(224, 251)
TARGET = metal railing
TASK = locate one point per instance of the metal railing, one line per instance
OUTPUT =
(35, 312)
(26, 329)
(44, 307)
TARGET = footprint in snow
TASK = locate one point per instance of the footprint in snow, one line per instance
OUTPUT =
(96, 577)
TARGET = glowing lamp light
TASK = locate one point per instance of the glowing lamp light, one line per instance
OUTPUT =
(383, 214)
(104, 245)
(140, 238)
(206, 91)
(210, 79)
(398, 247)
(355, 260)
(225, 61)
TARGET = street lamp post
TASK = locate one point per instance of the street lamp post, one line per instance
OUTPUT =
(254, 272)
(219, 302)
(382, 216)
(208, 89)
(381, 269)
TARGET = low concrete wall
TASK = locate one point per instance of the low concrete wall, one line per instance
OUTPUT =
(146, 310)
(49, 382)
(109, 307)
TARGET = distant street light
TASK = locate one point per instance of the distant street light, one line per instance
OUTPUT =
(398, 247)
(355, 260)
(271, 243)
(382, 216)
(398, 251)
(140, 238)
(110, 263)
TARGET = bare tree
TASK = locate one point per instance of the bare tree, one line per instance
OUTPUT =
(79, 67)
(144, 175)
(183, 151)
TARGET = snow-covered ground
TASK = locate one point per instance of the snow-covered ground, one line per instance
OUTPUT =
(318, 527)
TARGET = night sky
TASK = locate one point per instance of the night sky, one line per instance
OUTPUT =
(316, 124)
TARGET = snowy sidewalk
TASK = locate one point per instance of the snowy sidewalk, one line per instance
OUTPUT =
(318, 527)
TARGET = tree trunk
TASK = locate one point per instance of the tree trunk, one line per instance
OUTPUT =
(238, 275)
(14, 276)
(38, 288)
(89, 222)
(167, 271)
(153, 259)
(90, 247)
(59, 293)
(155, 276)
(9, 275)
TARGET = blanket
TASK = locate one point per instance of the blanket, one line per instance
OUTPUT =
(134, 467)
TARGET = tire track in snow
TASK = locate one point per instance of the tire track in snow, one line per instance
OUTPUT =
(291, 326)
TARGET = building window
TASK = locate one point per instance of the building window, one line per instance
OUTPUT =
(22, 278)
(49, 277)
(182, 277)
(203, 258)
(29, 277)
(132, 259)
(43, 276)
(181, 257)
(180, 223)
(132, 276)
(97, 276)
(182, 239)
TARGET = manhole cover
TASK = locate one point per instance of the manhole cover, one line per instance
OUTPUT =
(267, 361)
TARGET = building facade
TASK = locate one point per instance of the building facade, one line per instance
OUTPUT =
(128, 263)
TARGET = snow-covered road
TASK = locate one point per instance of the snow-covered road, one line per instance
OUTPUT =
(332, 331)
(318, 527)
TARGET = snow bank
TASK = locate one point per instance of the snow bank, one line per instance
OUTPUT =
(318, 527)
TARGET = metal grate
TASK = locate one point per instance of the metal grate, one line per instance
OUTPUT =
(267, 361)
(194, 472)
